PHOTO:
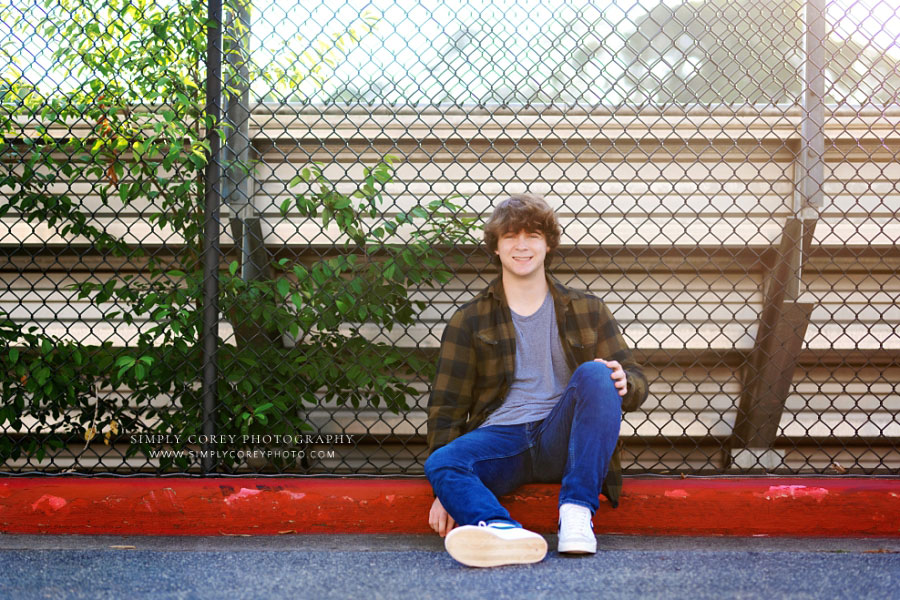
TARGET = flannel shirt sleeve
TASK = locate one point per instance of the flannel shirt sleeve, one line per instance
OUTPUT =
(452, 392)
(611, 345)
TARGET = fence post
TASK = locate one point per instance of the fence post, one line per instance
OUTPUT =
(211, 225)
(808, 195)
(237, 182)
(768, 379)
(238, 155)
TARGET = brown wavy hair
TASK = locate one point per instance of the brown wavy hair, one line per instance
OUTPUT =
(523, 211)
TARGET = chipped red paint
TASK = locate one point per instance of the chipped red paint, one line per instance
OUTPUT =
(210, 506)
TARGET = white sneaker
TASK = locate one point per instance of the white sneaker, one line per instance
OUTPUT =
(576, 531)
(493, 545)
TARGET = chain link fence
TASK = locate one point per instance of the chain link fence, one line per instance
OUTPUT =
(725, 173)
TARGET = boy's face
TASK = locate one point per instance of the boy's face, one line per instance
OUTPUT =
(522, 254)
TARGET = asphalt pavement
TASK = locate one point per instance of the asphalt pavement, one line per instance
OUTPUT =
(410, 566)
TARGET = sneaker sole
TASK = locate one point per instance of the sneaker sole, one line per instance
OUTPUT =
(479, 548)
(577, 548)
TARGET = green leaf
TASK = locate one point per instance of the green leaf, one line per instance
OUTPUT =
(199, 160)
(297, 300)
(233, 267)
(13, 355)
(284, 287)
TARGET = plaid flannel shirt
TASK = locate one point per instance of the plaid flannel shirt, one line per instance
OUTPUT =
(477, 362)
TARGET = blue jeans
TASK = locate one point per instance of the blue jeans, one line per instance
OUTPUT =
(572, 445)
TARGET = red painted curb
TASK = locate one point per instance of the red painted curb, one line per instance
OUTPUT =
(210, 506)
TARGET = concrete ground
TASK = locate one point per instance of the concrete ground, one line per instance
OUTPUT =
(415, 566)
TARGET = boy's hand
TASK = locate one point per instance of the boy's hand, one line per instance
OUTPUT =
(439, 519)
(618, 375)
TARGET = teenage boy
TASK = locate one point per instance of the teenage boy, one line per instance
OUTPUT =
(531, 382)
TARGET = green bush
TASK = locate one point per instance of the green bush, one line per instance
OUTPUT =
(141, 91)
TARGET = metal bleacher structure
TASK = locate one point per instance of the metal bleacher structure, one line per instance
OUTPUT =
(763, 300)
(694, 215)
(693, 229)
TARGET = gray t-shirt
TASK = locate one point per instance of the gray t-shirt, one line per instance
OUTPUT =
(541, 373)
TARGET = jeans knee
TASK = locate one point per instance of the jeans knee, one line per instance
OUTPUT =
(593, 366)
(436, 461)
(594, 370)
(596, 375)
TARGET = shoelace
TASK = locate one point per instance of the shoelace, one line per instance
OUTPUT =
(579, 521)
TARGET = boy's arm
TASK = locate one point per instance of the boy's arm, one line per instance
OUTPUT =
(451, 394)
(611, 345)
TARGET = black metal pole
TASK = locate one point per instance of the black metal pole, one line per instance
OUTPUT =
(211, 227)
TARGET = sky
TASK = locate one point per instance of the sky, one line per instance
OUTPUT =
(414, 40)
(413, 36)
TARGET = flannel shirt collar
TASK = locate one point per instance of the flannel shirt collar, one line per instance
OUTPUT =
(557, 290)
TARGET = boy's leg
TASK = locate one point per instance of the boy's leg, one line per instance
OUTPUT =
(467, 475)
(470, 472)
(576, 441)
